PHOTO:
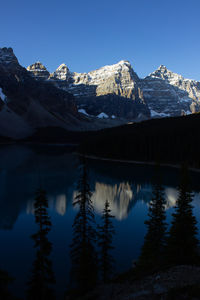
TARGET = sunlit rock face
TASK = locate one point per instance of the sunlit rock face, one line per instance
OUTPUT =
(112, 90)
(62, 73)
(116, 90)
(118, 79)
(170, 94)
(38, 70)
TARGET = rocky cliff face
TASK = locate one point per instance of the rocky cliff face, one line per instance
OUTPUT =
(35, 98)
(169, 94)
(118, 79)
(26, 104)
(38, 70)
(115, 91)
(62, 73)
(111, 91)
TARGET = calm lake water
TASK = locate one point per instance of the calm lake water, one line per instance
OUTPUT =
(127, 187)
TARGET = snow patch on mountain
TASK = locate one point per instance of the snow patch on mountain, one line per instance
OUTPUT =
(83, 111)
(155, 114)
(102, 116)
(163, 92)
(2, 95)
(188, 112)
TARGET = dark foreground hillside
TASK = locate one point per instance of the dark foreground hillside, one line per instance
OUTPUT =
(169, 140)
(175, 283)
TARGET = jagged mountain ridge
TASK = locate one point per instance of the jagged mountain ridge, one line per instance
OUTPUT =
(34, 98)
(101, 91)
(122, 74)
(170, 94)
(26, 104)
(162, 93)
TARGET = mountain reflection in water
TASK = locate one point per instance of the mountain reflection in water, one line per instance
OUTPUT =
(127, 188)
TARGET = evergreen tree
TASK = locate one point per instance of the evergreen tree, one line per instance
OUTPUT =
(83, 253)
(105, 236)
(5, 281)
(40, 285)
(152, 251)
(182, 242)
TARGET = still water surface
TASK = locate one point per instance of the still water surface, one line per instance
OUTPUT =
(127, 187)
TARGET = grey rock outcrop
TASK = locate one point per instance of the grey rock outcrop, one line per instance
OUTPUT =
(38, 70)
(118, 79)
(8, 58)
(112, 90)
(26, 103)
(33, 98)
(170, 94)
(62, 73)
(115, 91)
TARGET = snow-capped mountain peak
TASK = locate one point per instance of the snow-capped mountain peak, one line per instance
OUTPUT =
(162, 67)
(162, 93)
(110, 70)
(170, 93)
(61, 73)
(39, 70)
(118, 80)
(62, 66)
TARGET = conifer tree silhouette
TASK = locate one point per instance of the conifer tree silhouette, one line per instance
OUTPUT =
(40, 284)
(152, 252)
(83, 253)
(5, 281)
(105, 236)
(182, 243)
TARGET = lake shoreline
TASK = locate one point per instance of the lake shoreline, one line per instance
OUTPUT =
(135, 162)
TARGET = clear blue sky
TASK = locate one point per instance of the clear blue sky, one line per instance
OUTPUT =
(87, 34)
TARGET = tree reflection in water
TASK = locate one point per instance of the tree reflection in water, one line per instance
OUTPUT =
(42, 279)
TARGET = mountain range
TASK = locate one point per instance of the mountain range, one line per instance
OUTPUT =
(34, 98)
(162, 93)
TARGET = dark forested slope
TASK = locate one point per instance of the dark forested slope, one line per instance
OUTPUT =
(168, 140)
